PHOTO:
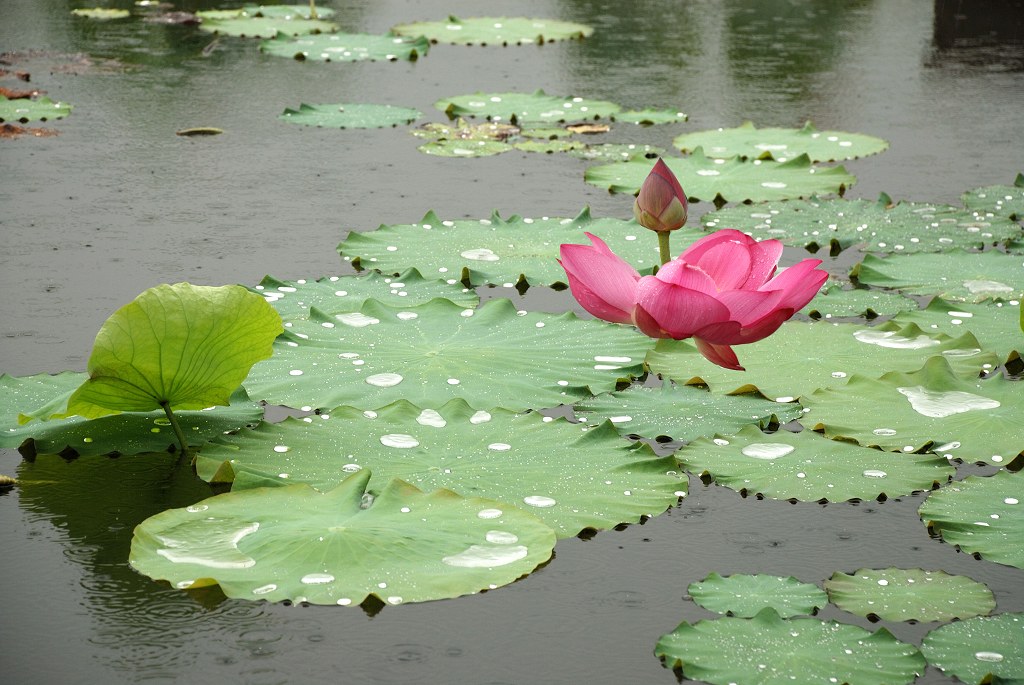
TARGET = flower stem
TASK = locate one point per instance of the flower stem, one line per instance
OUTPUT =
(663, 249)
(176, 427)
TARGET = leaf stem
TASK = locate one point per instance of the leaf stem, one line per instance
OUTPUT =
(663, 249)
(176, 427)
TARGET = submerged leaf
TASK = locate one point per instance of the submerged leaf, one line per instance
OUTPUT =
(295, 543)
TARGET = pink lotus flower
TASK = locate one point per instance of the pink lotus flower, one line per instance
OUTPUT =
(661, 204)
(721, 291)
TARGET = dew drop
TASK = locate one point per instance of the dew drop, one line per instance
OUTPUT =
(343, 601)
(430, 417)
(501, 537)
(874, 473)
(384, 380)
(479, 417)
(1011, 500)
(264, 589)
(351, 468)
(988, 656)
(480, 254)
(281, 448)
(453, 381)
(937, 405)
(499, 447)
(884, 432)
(357, 319)
(399, 440)
(767, 450)
(539, 501)
(489, 513)
(316, 579)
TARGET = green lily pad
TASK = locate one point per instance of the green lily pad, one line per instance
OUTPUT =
(102, 13)
(780, 143)
(296, 543)
(836, 224)
(21, 396)
(527, 460)
(953, 275)
(266, 27)
(617, 152)
(337, 294)
(495, 30)
(728, 180)
(431, 353)
(991, 322)
(464, 148)
(549, 146)
(350, 115)
(273, 11)
(681, 412)
(982, 650)
(802, 357)
(999, 200)
(176, 346)
(461, 129)
(25, 110)
(499, 251)
(746, 595)
(970, 419)
(346, 47)
(981, 516)
(650, 117)
(895, 594)
(537, 107)
(772, 650)
(838, 300)
(808, 467)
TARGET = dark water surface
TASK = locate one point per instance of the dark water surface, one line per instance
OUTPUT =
(117, 203)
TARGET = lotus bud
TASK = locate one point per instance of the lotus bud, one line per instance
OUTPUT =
(661, 204)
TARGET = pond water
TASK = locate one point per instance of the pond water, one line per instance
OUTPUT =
(117, 203)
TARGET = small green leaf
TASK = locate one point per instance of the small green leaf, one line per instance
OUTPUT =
(464, 148)
(295, 543)
(182, 345)
(982, 516)
(346, 47)
(350, 115)
(536, 107)
(495, 30)
(895, 594)
(780, 143)
(25, 110)
(982, 650)
(101, 13)
(746, 595)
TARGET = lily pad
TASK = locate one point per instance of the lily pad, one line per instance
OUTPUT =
(808, 467)
(337, 294)
(650, 117)
(431, 353)
(527, 460)
(895, 594)
(836, 224)
(728, 180)
(25, 110)
(999, 200)
(983, 516)
(681, 412)
(746, 595)
(979, 650)
(617, 152)
(836, 299)
(953, 275)
(464, 148)
(933, 408)
(461, 129)
(536, 107)
(780, 143)
(266, 27)
(296, 543)
(802, 357)
(495, 30)
(273, 11)
(180, 346)
(769, 649)
(549, 146)
(20, 396)
(350, 115)
(102, 13)
(991, 322)
(347, 47)
(497, 250)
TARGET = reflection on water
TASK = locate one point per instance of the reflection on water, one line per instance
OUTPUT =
(988, 34)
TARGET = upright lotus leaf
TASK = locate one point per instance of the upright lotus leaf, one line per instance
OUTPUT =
(1000, 200)
(350, 115)
(527, 460)
(180, 346)
(25, 110)
(981, 650)
(895, 594)
(780, 143)
(295, 543)
(808, 467)
(981, 516)
(493, 356)
(883, 226)
(681, 412)
(954, 275)
(802, 357)
(536, 107)
(497, 250)
(970, 419)
(494, 30)
(836, 299)
(771, 650)
(124, 433)
(746, 595)
(346, 47)
(728, 180)
(991, 322)
(338, 294)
